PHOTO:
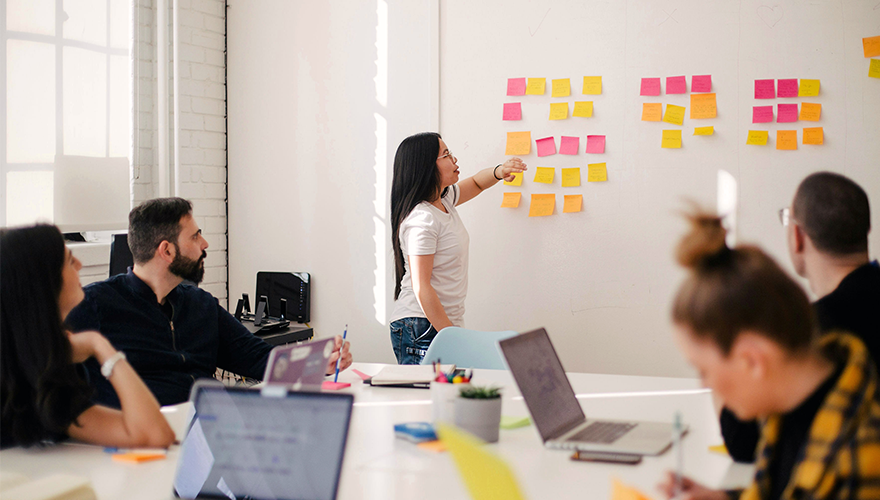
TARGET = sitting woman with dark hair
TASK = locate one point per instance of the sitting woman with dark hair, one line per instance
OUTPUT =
(44, 395)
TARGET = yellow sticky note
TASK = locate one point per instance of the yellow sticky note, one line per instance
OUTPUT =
(808, 88)
(620, 491)
(571, 177)
(674, 114)
(518, 143)
(517, 180)
(596, 172)
(703, 106)
(786, 139)
(535, 86)
(138, 457)
(542, 204)
(558, 110)
(718, 448)
(874, 69)
(757, 137)
(592, 85)
(704, 130)
(511, 200)
(671, 139)
(814, 135)
(810, 111)
(871, 46)
(561, 87)
(583, 109)
(652, 112)
(572, 203)
(544, 175)
(486, 476)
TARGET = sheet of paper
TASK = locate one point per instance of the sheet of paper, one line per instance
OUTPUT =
(597, 172)
(786, 139)
(583, 109)
(652, 112)
(703, 106)
(517, 179)
(486, 476)
(542, 205)
(196, 459)
(710, 130)
(558, 110)
(518, 143)
(671, 139)
(535, 86)
(561, 87)
(516, 86)
(814, 135)
(874, 68)
(546, 146)
(592, 85)
(786, 113)
(512, 111)
(765, 89)
(757, 137)
(595, 144)
(544, 175)
(762, 114)
(674, 114)
(808, 88)
(650, 86)
(676, 85)
(787, 87)
(810, 111)
(511, 200)
(571, 177)
(701, 83)
(572, 203)
(871, 45)
(569, 145)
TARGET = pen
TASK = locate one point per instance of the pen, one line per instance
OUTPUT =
(679, 455)
(344, 333)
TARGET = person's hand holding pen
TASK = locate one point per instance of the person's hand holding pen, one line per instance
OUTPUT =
(690, 490)
(345, 360)
(510, 167)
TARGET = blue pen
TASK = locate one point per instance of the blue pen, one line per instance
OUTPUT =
(344, 334)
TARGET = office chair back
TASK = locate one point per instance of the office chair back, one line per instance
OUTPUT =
(120, 255)
(468, 348)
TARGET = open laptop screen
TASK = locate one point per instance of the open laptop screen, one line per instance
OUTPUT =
(244, 444)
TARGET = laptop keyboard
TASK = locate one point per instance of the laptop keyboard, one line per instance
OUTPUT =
(602, 432)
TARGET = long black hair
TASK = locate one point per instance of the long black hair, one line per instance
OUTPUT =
(40, 392)
(416, 179)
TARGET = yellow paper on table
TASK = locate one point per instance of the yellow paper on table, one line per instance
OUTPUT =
(596, 172)
(674, 114)
(620, 491)
(583, 109)
(542, 204)
(572, 203)
(758, 137)
(810, 111)
(486, 476)
(808, 88)
(561, 87)
(719, 448)
(814, 135)
(508, 422)
(671, 139)
(511, 200)
(710, 130)
(652, 112)
(571, 177)
(703, 106)
(535, 86)
(786, 139)
(518, 143)
(558, 110)
(517, 179)
(592, 85)
(874, 68)
(544, 175)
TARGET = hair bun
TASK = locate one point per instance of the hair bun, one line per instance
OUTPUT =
(704, 243)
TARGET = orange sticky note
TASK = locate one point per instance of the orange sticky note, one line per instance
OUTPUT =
(652, 112)
(561, 87)
(517, 180)
(671, 139)
(874, 68)
(518, 143)
(542, 204)
(511, 200)
(674, 114)
(808, 88)
(810, 111)
(558, 110)
(597, 172)
(135, 457)
(536, 86)
(871, 46)
(757, 137)
(814, 135)
(786, 139)
(620, 491)
(583, 109)
(572, 203)
(436, 446)
(703, 106)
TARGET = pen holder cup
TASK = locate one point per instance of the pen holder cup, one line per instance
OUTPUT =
(443, 398)
(480, 417)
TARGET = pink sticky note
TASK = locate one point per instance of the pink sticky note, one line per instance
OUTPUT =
(676, 85)
(788, 87)
(701, 83)
(569, 145)
(516, 86)
(762, 114)
(650, 86)
(787, 113)
(329, 385)
(512, 111)
(765, 89)
(546, 146)
(596, 144)
(362, 375)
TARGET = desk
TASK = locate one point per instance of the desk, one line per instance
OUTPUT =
(378, 466)
(293, 333)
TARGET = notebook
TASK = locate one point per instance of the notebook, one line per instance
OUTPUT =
(300, 366)
(419, 376)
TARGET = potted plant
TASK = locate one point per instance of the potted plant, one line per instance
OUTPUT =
(478, 411)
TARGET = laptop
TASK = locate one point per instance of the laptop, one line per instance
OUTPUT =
(556, 411)
(300, 366)
(268, 443)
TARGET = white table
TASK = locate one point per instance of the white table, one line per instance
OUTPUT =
(378, 466)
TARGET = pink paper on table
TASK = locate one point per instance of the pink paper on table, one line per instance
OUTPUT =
(650, 86)
(546, 146)
(329, 385)
(786, 113)
(765, 89)
(512, 111)
(596, 144)
(362, 375)
(676, 85)
(762, 114)
(569, 145)
(701, 83)
(787, 87)
(516, 86)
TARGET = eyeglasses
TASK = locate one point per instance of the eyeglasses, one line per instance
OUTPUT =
(448, 155)
(785, 216)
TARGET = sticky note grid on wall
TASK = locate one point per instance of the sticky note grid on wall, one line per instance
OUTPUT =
(702, 104)
(776, 100)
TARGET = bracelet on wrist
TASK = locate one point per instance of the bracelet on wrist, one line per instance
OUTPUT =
(495, 170)
(107, 367)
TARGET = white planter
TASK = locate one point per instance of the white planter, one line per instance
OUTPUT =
(480, 417)
(443, 398)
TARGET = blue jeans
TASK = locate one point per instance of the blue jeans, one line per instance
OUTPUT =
(410, 338)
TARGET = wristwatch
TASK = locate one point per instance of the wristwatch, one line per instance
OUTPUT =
(107, 367)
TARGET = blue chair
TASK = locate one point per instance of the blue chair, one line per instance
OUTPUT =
(468, 348)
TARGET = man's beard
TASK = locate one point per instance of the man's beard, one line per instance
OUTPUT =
(188, 269)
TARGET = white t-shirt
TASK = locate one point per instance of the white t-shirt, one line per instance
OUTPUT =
(428, 230)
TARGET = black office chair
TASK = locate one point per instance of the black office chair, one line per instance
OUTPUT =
(120, 255)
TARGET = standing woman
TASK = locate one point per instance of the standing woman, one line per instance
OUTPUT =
(430, 242)
(44, 395)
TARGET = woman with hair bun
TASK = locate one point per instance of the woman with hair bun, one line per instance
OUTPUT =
(749, 331)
